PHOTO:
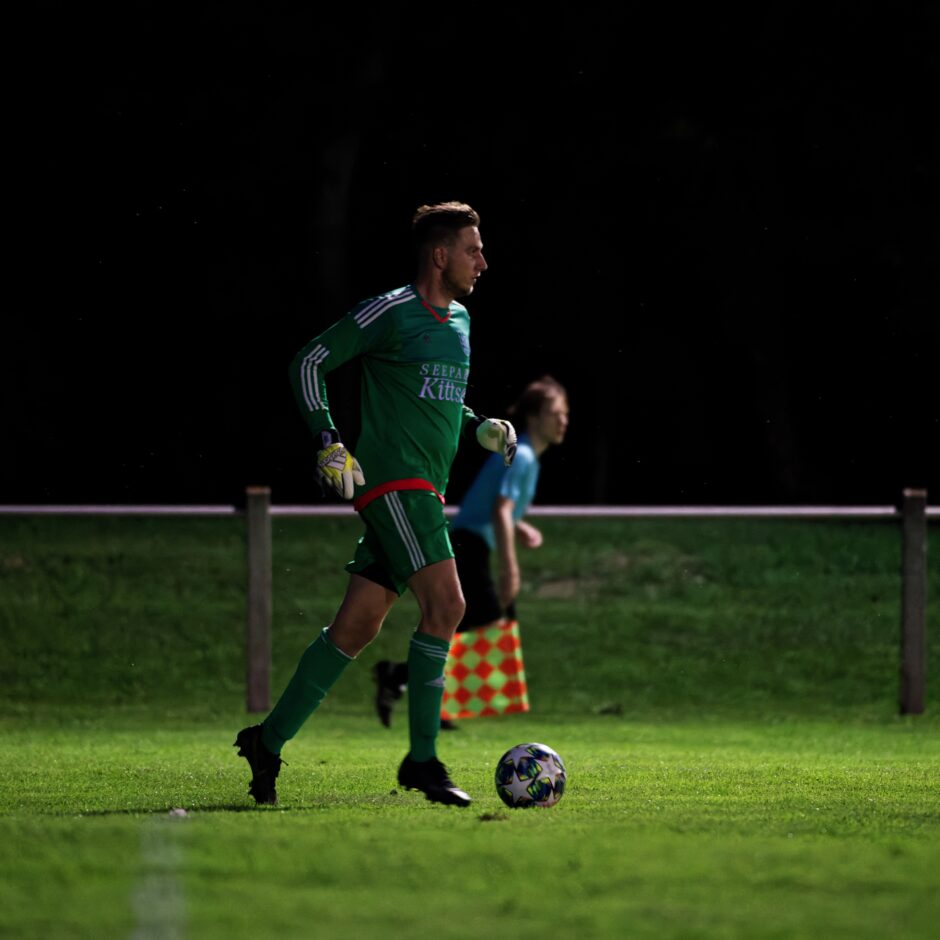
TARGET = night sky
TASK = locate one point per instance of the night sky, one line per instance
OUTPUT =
(714, 228)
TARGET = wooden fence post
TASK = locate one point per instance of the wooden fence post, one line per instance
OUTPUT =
(258, 627)
(913, 601)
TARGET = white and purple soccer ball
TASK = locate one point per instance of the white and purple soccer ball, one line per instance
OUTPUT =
(530, 775)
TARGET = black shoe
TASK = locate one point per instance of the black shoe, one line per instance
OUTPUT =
(264, 765)
(390, 681)
(448, 725)
(430, 777)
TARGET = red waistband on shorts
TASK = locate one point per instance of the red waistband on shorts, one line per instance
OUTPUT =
(391, 486)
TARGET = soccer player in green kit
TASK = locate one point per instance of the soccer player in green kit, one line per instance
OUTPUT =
(415, 351)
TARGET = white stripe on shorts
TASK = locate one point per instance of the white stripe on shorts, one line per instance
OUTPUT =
(404, 530)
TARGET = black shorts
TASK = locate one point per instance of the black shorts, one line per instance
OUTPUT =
(472, 555)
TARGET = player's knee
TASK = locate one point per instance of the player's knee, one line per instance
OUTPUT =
(444, 613)
(457, 610)
(354, 634)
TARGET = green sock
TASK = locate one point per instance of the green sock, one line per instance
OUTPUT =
(427, 656)
(320, 666)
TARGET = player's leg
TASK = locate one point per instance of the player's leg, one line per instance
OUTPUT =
(472, 557)
(355, 625)
(362, 613)
(416, 549)
(357, 622)
(413, 545)
(440, 599)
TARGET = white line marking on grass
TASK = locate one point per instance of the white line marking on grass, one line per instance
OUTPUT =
(158, 901)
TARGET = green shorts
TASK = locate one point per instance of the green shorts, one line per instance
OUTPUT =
(406, 530)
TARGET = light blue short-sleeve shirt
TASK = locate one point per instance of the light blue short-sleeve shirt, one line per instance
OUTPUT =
(517, 483)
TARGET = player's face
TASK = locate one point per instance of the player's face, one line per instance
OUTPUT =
(465, 263)
(552, 421)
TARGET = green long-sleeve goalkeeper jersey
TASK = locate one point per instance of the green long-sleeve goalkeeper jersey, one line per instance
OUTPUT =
(415, 363)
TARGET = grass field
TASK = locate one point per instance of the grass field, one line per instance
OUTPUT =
(724, 694)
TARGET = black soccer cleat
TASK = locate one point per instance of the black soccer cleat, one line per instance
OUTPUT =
(390, 681)
(431, 778)
(264, 765)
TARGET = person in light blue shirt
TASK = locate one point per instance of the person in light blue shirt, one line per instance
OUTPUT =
(491, 519)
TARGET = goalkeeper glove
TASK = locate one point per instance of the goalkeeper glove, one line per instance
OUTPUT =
(499, 436)
(336, 467)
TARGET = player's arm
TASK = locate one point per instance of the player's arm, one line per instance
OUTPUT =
(336, 466)
(495, 434)
(508, 566)
(528, 535)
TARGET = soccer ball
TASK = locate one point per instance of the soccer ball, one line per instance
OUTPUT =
(530, 775)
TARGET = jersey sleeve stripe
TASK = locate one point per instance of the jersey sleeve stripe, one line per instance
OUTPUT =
(371, 312)
(309, 377)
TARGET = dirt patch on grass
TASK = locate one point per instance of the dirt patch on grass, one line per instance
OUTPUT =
(567, 588)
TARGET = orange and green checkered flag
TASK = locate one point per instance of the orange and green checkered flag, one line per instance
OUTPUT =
(485, 674)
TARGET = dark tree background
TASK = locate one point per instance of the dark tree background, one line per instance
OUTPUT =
(715, 227)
